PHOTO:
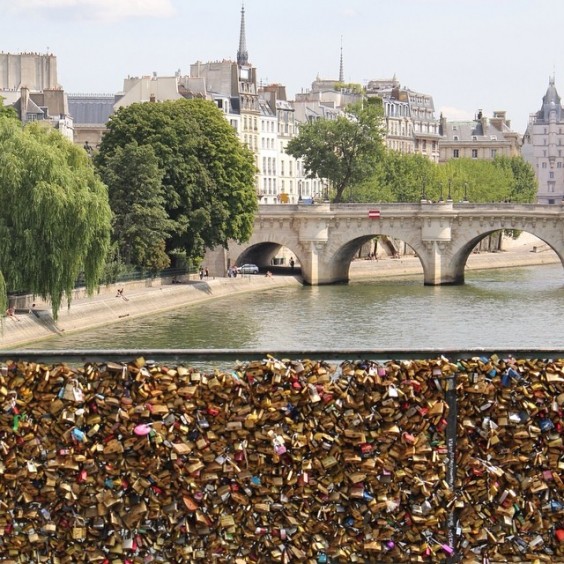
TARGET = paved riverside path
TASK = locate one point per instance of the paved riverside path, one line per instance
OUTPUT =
(152, 297)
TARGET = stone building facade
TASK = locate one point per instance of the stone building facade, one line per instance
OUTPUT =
(411, 125)
(543, 147)
(482, 138)
(28, 82)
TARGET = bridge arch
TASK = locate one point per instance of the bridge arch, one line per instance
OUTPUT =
(463, 248)
(341, 258)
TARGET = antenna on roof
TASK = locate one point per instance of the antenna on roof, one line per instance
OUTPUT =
(341, 73)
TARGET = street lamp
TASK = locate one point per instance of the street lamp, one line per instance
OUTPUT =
(423, 193)
(466, 192)
(449, 197)
(441, 194)
(299, 191)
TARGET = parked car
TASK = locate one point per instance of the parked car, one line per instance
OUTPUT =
(248, 269)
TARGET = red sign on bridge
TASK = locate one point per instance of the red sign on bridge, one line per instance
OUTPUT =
(374, 214)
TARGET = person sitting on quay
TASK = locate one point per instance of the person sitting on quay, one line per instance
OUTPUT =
(11, 313)
(120, 295)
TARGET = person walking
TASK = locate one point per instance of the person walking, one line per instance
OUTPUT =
(292, 264)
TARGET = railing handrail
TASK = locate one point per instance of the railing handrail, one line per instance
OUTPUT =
(226, 355)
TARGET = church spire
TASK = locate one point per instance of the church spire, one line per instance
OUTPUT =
(242, 54)
(341, 73)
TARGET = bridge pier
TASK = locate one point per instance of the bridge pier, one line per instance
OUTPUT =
(436, 236)
(310, 261)
(437, 265)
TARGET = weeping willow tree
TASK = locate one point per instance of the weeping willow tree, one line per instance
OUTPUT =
(54, 215)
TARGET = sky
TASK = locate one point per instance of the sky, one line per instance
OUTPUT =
(468, 54)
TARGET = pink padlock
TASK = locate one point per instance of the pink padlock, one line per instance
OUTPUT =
(448, 549)
(142, 429)
(278, 444)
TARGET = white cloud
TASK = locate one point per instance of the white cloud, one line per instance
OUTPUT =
(108, 10)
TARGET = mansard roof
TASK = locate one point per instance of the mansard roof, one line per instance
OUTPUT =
(265, 109)
(91, 109)
(477, 130)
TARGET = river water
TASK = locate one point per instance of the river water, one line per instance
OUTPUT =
(503, 309)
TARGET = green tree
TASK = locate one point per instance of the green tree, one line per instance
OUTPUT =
(7, 111)
(54, 214)
(399, 177)
(140, 223)
(524, 185)
(208, 175)
(481, 180)
(344, 151)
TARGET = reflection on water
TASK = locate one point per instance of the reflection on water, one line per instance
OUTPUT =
(507, 308)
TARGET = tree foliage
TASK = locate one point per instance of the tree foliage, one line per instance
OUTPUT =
(54, 214)
(505, 179)
(140, 223)
(344, 151)
(398, 178)
(7, 111)
(410, 177)
(208, 176)
(524, 183)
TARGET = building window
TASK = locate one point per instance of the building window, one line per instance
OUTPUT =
(474, 153)
(543, 165)
(455, 138)
(551, 174)
(493, 153)
(455, 153)
(558, 164)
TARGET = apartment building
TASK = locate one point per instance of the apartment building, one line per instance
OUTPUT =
(411, 125)
(28, 82)
(482, 138)
(543, 147)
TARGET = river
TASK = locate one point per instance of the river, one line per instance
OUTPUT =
(505, 309)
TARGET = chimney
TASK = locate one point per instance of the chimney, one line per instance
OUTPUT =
(484, 121)
(24, 101)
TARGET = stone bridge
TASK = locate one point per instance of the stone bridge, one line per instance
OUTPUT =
(326, 237)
